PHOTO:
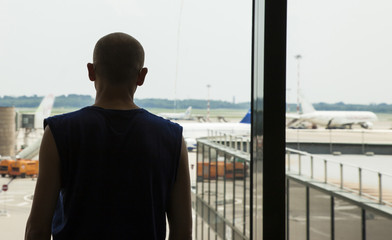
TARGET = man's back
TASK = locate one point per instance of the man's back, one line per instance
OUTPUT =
(117, 171)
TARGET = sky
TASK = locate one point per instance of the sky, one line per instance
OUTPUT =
(346, 47)
(46, 44)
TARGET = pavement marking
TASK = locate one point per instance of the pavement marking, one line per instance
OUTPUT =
(22, 204)
(29, 198)
(349, 207)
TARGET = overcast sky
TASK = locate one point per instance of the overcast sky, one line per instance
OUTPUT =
(46, 44)
(346, 47)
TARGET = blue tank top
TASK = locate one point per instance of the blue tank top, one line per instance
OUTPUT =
(117, 170)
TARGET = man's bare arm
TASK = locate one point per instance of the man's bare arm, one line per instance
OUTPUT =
(38, 225)
(179, 213)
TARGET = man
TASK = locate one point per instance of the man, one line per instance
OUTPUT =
(112, 170)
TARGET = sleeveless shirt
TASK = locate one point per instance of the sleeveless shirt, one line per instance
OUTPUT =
(117, 170)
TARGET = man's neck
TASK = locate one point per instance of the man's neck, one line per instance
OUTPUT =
(115, 103)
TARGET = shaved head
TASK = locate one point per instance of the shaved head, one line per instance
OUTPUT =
(118, 58)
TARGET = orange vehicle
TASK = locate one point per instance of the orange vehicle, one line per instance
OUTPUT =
(217, 169)
(5, 166)
(24, 168)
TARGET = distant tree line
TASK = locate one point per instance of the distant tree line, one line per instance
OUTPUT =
(63, 101)
(78, 101)
(194, 103)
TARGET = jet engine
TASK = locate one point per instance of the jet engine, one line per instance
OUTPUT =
(366, 125)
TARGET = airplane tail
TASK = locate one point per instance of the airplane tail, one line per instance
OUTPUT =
(44, 110)
(306, 106)
(246, 118)
(188, 111)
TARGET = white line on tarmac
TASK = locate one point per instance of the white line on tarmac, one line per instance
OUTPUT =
(28, 198)
(22, 204)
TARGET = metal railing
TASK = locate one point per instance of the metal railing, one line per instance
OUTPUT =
(374, 190)
(237, 142)
(222, 198)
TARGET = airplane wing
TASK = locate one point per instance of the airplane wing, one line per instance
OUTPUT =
(292, 116)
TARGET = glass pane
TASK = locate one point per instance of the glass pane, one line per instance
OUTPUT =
(257, 118)
(347, 220)
(206, 170)
(199, 177)
(240, 198)
(320, 215)
(220, 183)
(378, 227)
(229, 201)
(199, 228)
(212, 234)
(297, 214)
(247, 199)
(213, 180)
(206, 231)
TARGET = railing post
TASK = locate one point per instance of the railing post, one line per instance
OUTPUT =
(299, 164)
(379, 188)
(311, 167)
(360, 181)
(325, 171)
(288, 161)
(341, 175)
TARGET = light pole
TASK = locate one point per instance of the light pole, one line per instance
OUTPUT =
(298, 57)
(208, 102)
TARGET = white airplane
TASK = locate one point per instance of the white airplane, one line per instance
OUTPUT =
(178, 116)
(43, 111)
(332, 119)
(192, 131)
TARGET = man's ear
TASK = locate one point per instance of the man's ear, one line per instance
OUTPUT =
(141, 76)
(91, 71)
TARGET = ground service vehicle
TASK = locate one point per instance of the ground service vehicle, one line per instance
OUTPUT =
(5, 166)
(217, 169)
(23, 168)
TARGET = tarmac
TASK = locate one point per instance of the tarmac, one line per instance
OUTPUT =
(16, 202)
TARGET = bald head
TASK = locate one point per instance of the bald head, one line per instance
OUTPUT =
(118, 58)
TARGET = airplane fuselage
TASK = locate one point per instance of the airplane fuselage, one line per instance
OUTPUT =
(340, 118)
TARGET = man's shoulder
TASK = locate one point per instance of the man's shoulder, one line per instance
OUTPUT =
(69, 115)
(153, 118)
